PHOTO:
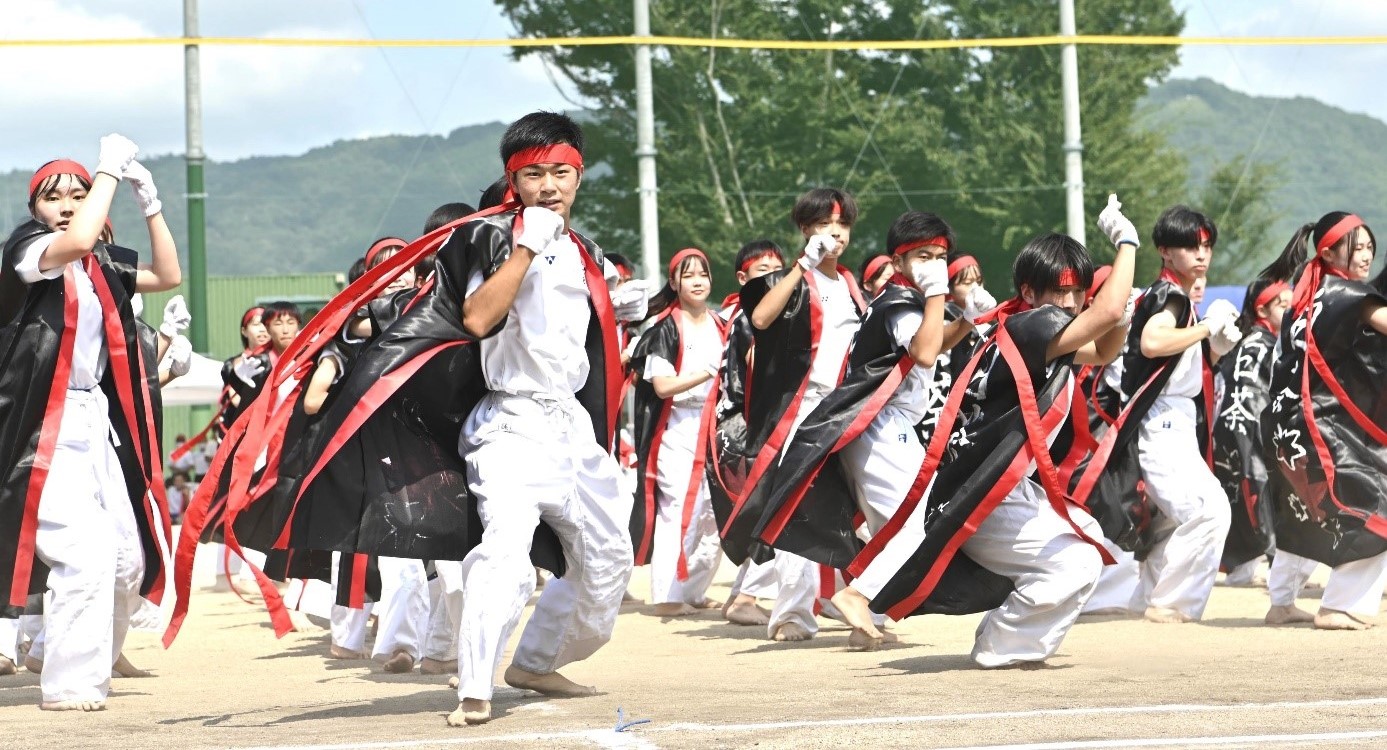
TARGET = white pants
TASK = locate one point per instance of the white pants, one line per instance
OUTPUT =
(403, 612)
(530, 461)
(445, 611)
(1244, 574)
(1054, 572)
(88, 538)
(797, 577)
(881, 465)
(9, 639)
(1287, 577)
(1356, 587)
(349, 627)
(701, 547)
(756, 580)
(1194, 516)
(1119, 585)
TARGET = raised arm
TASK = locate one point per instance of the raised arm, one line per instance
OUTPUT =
(485, 308)
(1111, 301)
(162, 273)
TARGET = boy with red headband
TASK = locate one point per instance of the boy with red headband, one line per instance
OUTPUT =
(1178, 523)
(1324, 428)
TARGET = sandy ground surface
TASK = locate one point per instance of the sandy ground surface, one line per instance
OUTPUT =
(1227, 682)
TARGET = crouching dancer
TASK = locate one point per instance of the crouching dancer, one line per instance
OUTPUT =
(1027, 553)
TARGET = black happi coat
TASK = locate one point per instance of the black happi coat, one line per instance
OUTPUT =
(387, 479)
(783, 355)
(1330, 489)
(949, 365)
(1111, 487)
(1238, 461)
(994, 448)
(729, 459)
(808, 505)
(31, 397)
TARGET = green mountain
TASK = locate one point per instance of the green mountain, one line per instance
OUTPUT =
(1326, 159)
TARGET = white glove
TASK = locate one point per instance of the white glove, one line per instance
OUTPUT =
(1225, 340)
(1131, 309)
(932, 276)
(145, 193)
(180, 356)
(248, 369)
(116, 153)
(979, 302)
(176, 317)
(1221, 316)
(815, 249)
(630, 302)
(137, 304)
(1117, 227)
(540, 227)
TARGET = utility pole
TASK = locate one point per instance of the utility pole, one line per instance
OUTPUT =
(645, 150)
(1073, 140)
(196, 196)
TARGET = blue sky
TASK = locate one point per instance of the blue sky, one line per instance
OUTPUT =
(262, 101)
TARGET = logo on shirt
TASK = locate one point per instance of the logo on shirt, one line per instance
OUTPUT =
(551, 259)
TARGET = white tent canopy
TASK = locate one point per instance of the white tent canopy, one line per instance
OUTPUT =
(202, 384)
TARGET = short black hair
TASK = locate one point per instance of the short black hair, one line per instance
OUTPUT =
(1178, 226)
(357, 270)
(913, 226)
(1043, 259)
(621, 261)
(540, 129)
(494, 195)
(817, 205)
(281, 309)
(755, 249)
(447, 214)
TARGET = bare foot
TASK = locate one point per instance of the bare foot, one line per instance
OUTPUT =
(470, 711)
(453, 682)
(123, 668)
(301, 623)
(7, 667)
(553, 684)
(790, 632)
(1168, 616)
(854, 607)
(1329, 619)
(434, 666)
(73, 705)
(400, 662)
(337, 652)
(1024, 666)
(746, 613)
(626, 598)
(1107, 612)
(673, 609)
(860, 641)
(1288, 614)
(889, 637)
(708, 604)
(33, 665)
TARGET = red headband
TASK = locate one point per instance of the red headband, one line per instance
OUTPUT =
(60, 166)
(837, 209)
(960, 263)
(749, 262)
(931, 242)
(874, 267)
(1068, 277)
(1337, 232)
(1203, 235)
(250, 315)
(381, 246)
(683, 255)
(1270, 294)
(558, 153)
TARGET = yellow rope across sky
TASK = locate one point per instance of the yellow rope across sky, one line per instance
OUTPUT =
(677, 41)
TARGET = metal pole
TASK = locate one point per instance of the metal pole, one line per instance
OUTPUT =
(645, 150)
(1073, 140)
(197, 197)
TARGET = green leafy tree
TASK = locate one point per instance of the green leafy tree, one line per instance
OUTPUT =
(1237, 198)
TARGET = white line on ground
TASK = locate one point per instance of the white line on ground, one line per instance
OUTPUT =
(1187, 742)
(610, 738)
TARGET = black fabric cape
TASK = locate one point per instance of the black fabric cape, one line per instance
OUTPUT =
(808, 506)
(1238, 461)
(1330, 490)
(773, 390)
(994, 450)
(394, 485)
(31, 398)
(1111, 487)
(729, 459)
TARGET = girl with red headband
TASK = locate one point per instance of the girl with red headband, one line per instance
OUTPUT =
(1238, 464)
(1177, 524)
(804, 319)
(857, 451)
(977, 533)
(1324, 427)
(239, 372)
(968, 301)
(678, 360)
(83, 506)
(875, 272)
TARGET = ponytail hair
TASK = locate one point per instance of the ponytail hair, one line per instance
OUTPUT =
(1286, 267)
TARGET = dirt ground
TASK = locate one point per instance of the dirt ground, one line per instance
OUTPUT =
(703, 683)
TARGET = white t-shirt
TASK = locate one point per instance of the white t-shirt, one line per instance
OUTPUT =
(539, 351)
(912, 396)
(840, 323)
(702, 348)
(1187, 376)
(89, 352)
